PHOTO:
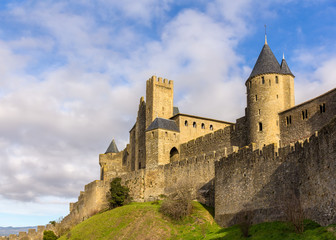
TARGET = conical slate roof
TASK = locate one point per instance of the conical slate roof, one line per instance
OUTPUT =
(266, 63)
(163, 124)
(284, 69)
(112, 148)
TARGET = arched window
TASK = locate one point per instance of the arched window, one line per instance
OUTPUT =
(194, 125)
(276, 80)
(174, 155)
(203, 126)
(186, 123)
(262, 80)
(260, 127)
(211, 127)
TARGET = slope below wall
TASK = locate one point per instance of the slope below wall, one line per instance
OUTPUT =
(264, 182)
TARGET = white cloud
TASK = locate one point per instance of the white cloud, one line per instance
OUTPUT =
(54, 121)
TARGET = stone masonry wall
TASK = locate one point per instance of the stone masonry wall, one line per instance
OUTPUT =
(264, 181)
(307, 118)
(220, 140)
(32, 234)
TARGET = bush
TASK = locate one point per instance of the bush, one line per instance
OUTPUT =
(177, 205)
(53, 223)
(49, 235)
(118, 194)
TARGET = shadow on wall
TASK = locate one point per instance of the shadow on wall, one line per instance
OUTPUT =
(264, 183)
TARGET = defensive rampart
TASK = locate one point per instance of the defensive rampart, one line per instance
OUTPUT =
(32, 234)
(220, 140)
(263, 183)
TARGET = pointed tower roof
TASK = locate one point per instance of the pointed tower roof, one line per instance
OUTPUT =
(284, 69)
(112, 148)
(266, 62)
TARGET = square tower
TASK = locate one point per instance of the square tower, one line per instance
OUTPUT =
(159, 99)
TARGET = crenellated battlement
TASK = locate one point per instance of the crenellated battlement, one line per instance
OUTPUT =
(161, 81)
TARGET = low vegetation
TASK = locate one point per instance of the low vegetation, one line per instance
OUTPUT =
(145, 221)
(49, 235)
(178, 205)
(118, 194)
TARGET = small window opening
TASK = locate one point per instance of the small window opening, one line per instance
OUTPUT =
(260, 127)
(305, 114)
(289, 120)
(262, 80)
(211, 127)
(194, 124)
(256, 97)
(203, 126)
(277, 96)
(322, 108)
(186, 123)
(152, 134)
(276, 80)
(270, 82)
(259, 111)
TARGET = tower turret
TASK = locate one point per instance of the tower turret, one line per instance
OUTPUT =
(270, 89)
(159, 99)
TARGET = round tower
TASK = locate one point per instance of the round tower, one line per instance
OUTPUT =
(270, 90)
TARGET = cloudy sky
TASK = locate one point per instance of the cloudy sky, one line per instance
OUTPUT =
(72, 73)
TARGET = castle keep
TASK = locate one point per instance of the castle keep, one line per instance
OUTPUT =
(276, 149)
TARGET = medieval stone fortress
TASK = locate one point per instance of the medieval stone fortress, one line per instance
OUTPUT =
(277, 151)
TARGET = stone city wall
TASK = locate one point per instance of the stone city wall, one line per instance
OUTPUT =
(32, 234)
(90, 201)
(220, 140)
(263, 183)
(304, 119)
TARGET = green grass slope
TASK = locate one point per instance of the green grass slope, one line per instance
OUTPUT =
(144, 221)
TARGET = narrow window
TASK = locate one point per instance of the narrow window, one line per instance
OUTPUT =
(305, 114)
(289, 120)
(211, 127)
(262, 80)
(260, 127)
(194, 124)
(203, 126)
(322, 108)
(270, 82)
(256, 97)
(276, 80)
(259, 111)
(277, 96)
(186, 123)
(139, 165)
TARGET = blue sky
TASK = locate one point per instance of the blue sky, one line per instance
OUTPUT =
(72, 74)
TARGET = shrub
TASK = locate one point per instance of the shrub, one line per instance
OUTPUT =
(53, 223)
(49, 235)
(118, 194)
(178, 205)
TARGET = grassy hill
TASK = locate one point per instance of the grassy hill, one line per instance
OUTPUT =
(143, 221)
